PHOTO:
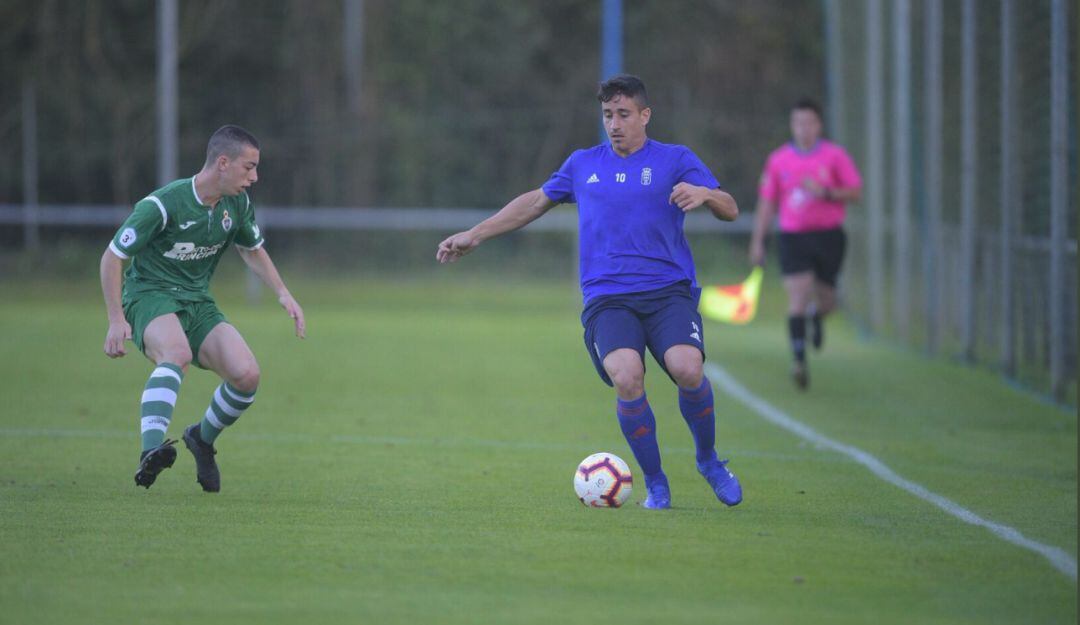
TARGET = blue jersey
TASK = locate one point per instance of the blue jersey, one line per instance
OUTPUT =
(631, 237)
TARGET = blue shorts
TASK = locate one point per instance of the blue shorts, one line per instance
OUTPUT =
(657, 319)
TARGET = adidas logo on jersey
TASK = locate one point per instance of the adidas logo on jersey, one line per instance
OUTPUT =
(592, 179)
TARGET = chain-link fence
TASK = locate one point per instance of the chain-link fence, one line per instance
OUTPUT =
(963, 117)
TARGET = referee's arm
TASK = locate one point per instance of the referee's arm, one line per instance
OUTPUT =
(762, 218)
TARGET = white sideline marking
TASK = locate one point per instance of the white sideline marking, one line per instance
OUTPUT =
(1061, 560)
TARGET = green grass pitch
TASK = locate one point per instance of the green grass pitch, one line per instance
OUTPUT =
(411, 462)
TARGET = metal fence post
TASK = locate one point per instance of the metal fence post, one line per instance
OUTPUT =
(875, 168)
(1008, 188)
(353, 52)
(965, 286)
(932, 103)
(901, 131)
(834, 68)
(31, 230)
(1059, 68)
(611, 44)
(166, 91)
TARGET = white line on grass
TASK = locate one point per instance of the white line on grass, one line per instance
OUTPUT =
(1061, 560)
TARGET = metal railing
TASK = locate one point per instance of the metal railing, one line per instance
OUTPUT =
(967, 241)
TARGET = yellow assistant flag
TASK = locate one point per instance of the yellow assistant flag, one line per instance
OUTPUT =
(733, 303)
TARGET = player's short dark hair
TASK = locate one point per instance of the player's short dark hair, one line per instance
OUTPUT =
(626, 85)
(229, 141)
(807, 104)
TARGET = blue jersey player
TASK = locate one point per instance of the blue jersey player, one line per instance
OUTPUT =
(637, 273)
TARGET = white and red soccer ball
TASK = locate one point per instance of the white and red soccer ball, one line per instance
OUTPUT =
(603, 480)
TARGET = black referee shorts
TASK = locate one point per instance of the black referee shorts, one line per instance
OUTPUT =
(820, 251)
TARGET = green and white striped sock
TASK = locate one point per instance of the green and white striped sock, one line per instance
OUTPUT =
(226, 406)
(158, 401)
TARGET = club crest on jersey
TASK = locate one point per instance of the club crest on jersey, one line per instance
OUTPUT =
(226, 221)
(646, 175)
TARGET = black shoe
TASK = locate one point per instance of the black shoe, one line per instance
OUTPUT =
(154, 461)
(801, 375)
(206, 468)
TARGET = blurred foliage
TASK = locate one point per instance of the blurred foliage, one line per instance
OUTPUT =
(460, 104)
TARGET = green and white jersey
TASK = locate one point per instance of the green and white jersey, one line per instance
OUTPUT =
(175, 241)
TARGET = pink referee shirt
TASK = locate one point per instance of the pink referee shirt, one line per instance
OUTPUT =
(781, 182)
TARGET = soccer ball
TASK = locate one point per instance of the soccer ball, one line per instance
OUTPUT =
(603, 481)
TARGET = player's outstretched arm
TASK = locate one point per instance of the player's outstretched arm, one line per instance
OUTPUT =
(259, 262)
(112, 278)
(521, 211)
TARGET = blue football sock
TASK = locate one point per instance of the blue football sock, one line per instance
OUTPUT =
(639, 427)
(696, 406)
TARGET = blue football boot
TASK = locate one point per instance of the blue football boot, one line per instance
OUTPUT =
(723, 482)
(659, 494)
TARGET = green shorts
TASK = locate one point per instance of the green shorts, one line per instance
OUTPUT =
(196, 318)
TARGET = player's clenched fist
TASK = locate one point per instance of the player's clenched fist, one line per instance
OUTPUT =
(687, 196)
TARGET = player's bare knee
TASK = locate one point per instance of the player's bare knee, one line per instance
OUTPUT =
(179, 355)
(687, 374)
(798, 306)
(826, 303)
(629, 383)
(629, 388)
(247, 379)
(684, 366)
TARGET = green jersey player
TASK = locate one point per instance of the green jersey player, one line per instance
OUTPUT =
(174, 238)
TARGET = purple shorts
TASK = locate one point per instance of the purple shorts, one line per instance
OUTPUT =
(657, 319)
